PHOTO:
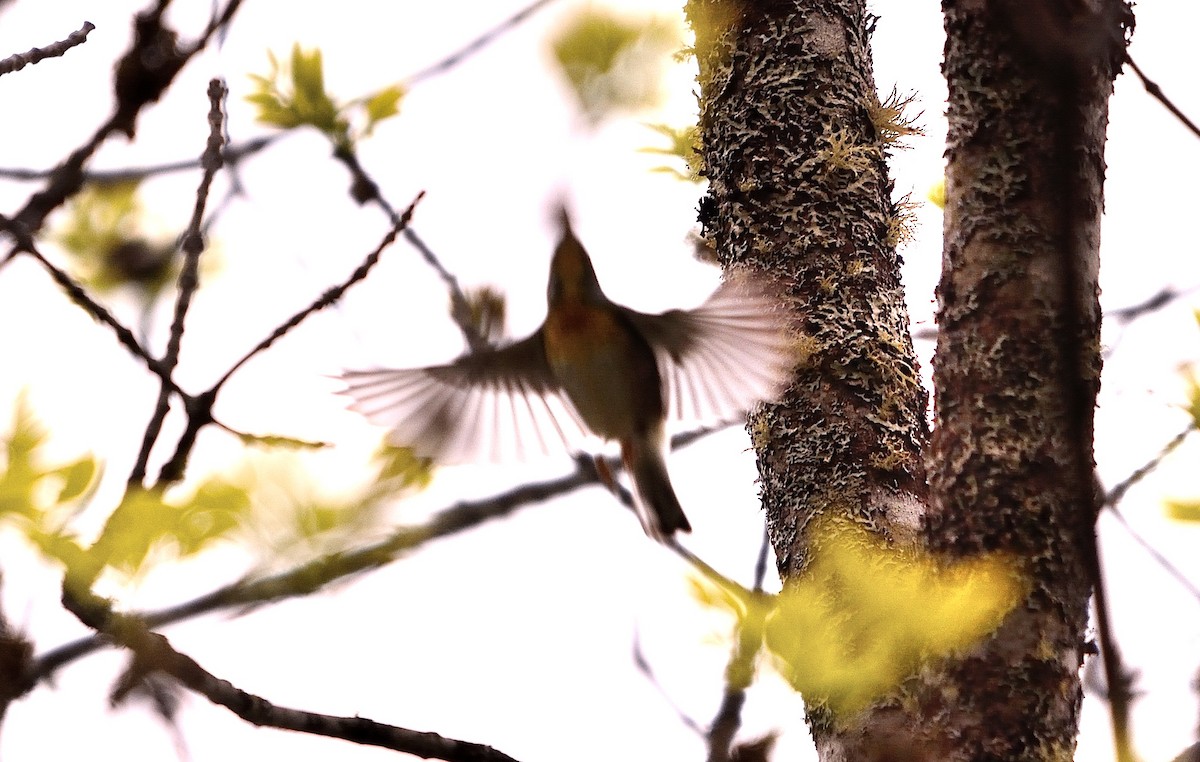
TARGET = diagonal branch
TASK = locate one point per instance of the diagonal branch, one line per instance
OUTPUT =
(1157, 93)
(79, 295)
(154, 652)
(199, 408)
(230, 154)
(477, 44)
(316, 574)
(19, 61)
(189, 281)
(363, 189)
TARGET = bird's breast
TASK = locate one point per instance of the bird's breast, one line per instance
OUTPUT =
(606, 369)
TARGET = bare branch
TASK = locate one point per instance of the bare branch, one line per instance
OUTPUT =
(331, 296)
(54, 50)
(739, 672)
(364, 189)
(1117, 493)
(80, 297)
(139, 81)
(477, 44)
(230, 154)
(189, 281)
(316, 574)
(1156, 92)
(199, 410)
(155, 653)
(1157, 556)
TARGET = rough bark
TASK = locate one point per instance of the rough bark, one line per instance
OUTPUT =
(798, 187)
(1018, 364)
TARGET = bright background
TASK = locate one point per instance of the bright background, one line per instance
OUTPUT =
(519, 634)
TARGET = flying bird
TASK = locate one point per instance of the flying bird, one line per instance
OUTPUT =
(594, 367)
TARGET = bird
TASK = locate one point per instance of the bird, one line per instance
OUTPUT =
(594, 369)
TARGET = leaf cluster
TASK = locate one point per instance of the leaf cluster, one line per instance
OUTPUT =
(867, 615)
(612, 62)
(294, 95)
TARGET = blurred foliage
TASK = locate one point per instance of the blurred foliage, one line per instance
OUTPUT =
(866, 615)
(1193, 387)
(294, 95)
(937, 194)
(39, 500)
(293, 520)
(103, 235)
(685, 145)
(274, 440)
(275, 496)
(614, 63)
(147, 520)
(1183, 510)
(488, 312)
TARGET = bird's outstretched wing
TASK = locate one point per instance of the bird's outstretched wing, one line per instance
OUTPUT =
(495, 405)
(719, 359)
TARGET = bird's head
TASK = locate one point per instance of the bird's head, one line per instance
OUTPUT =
(572, 277)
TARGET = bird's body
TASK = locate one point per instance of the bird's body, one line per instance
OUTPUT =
(593, 366)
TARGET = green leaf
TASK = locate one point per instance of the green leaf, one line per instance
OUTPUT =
(868, 614)
(103, 235)
(400, 468)
(303, 100)
(611, 62)
(217, 508)
(26, 485)
(1183, 510)
(684, 144)
(138, 523)
(382, 105)
(77, 477)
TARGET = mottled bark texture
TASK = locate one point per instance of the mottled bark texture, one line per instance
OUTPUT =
(1018, 363)
(799, 187)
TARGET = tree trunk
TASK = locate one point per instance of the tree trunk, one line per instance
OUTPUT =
(794, 150)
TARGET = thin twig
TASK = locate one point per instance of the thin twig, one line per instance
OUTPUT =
(231, 154)
(155, 653)
(140, 81)
(189, 280)
(477, 44)
(1156, 92)
(1170, 568)
(77, 294)
(364, 189)
(19, 61)
(1117, 493)
(199, 408)
(329, 297)
(318, 573)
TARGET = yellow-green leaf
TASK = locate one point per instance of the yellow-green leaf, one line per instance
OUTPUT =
(1183, 510)
(400, 468)
(140, 521)
(216, 509)
(867, 615)
(382, 105)
(77, 477)
(613, 62)
(937, 193)
(684, 144)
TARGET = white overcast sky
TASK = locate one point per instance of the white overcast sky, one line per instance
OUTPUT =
(518, 634)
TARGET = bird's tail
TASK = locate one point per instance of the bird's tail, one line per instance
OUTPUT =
(654, 499)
